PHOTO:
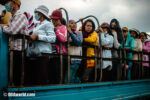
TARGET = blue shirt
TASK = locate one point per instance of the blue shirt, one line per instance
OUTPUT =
(46, 36)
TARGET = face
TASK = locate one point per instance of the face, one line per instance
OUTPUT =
(113, 24)
(105, 30)
(88, 27)
(125, 33)
(142, 36)
(10, 6)
(56, 22)
(73, 25)
(133, 34)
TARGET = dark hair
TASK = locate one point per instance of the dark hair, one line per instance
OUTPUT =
(85, 34)
(93, 25)
(117, 28)
(144, 34)
(4, 11)
(63, 21)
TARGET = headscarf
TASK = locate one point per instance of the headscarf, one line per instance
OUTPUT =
(85, 34)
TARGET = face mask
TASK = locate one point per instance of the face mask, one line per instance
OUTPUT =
(8, 7)
(36, 16)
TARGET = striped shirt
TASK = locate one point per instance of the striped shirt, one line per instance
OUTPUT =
(18, 24)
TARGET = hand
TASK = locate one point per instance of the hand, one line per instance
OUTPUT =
(106, 46)
(34, 37)
(100, 29)
(69, 29)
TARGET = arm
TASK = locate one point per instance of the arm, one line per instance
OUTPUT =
(61, 34)
(16, 25)
(106, 40)
(77, 39)
(91, 38)
(116, 43)
(139, 47)
(49, 35)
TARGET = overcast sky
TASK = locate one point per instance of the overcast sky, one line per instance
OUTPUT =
(130, 13)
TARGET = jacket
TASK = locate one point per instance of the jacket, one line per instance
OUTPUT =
(107, 39)
(61, 35)
(146, 48)
(92, 39)
(129, 44)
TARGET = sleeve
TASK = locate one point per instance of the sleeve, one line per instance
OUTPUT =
(106, 40)
(77, 39)
(139, 47)
(61, 34)
(132, 45)
(92, 38)
(49, 35)
(16, 25)
(116, 43)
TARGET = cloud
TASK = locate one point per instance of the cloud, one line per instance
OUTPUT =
(130, 13)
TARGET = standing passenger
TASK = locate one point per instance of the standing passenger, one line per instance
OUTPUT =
(107, 41)
(77, 39)
(90, 37)
(128, 44)
(18, 24)
(138, 47)
(61, 37)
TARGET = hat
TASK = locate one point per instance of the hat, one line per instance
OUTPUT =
(125, 28)
(43, 9)
(105, 25)
(135, 30)
(56, 14)
(18, 2)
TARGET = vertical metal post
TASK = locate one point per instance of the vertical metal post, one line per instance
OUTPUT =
(68, 58)
(61, 64)
(11, 83)
(95, 72)
(125, 63)
(142, 69)
(22, 63)
(120, 68)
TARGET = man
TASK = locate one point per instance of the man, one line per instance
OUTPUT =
(18, 24)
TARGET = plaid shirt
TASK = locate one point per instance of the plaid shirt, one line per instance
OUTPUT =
(18, 24)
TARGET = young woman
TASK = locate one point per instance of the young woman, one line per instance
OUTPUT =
(44, 33)
(146, 49)
(76, 38)
(107, 42)
(61, 37)
(128, 44)
(89, 37)
(136, 69)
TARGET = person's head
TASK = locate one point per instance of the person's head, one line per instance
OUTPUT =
(41, 13)
(143, 36)
(134, 33)
(105, 26)
(13, 5)
(88, 26)
(114, 24)
(56, 17)
(3, 13)
(125, 31)
(73, 25)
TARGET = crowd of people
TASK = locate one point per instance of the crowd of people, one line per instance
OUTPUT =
(43, 69)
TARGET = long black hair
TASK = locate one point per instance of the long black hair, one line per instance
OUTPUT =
(117, 28)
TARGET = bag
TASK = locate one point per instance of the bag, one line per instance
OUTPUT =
(32, 50)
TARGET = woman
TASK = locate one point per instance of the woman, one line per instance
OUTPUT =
(128, 44)
(43, 35)
(76, 38)
(61, 37)
(90, 37)
(107, 42)
(146, 49)
(136, 68)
